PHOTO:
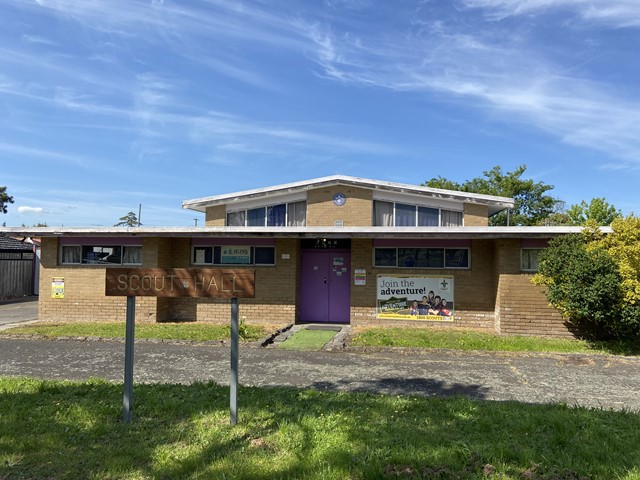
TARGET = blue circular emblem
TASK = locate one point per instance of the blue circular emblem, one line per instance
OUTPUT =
(339, 199)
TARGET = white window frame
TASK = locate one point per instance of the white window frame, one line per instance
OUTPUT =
(266, 216)
(416, 215)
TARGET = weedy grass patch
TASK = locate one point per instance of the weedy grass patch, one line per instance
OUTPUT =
(473, 340)
(166, 331)
(69, 430)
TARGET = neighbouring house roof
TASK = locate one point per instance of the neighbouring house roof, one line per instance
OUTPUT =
(494, 203)
(302, 232)
(8, 243)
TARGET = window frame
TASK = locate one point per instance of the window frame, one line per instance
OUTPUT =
(244, 212)
(217, 256)
(416, 208)
(444, 254)
(529, 270)
(82, 246)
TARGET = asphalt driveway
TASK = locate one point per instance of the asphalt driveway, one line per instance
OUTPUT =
(18, 311)
(586, 380)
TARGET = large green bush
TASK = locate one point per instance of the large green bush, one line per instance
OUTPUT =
(592, 279)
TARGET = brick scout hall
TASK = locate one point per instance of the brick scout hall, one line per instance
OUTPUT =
(335, 249)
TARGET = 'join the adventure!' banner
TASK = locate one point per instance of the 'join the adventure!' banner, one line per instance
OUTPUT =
(415, 297)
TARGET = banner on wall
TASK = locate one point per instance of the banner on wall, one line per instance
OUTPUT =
(415, 297)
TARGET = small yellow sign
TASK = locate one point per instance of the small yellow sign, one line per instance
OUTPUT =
(57, 287)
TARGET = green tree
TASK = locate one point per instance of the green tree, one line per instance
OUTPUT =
(593, 279)
(129, 220)
(5, 199)
(532, 203)
(597, 210)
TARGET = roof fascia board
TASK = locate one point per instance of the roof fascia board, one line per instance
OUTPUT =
(304, 232)
(200, 204)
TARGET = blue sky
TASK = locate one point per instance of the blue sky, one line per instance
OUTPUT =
(105, 105)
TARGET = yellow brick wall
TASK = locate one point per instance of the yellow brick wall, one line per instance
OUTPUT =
(84, 298)
(216, 216)
(276, 290)
(521, 307)
(492, 294)
(476, 215)
(356, 212)
(474, 288)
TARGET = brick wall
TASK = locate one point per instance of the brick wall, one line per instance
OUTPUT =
(84, 298)
(521, 307)
(356, 212)
(276, 291)
(216, 216)
(493, 293)
(474, 288)
(476, 215)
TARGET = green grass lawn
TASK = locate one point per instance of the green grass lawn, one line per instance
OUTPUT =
(70, 430)
(307, 340)
(177, 331)
(471, 340)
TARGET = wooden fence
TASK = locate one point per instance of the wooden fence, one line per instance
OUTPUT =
(16, 274)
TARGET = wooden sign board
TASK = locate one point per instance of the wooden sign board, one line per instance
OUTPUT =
(180, 282)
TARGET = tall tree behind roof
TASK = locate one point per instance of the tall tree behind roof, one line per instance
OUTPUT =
(532, 203)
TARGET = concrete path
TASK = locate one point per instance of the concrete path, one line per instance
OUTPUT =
(14, 312)
(588, 380)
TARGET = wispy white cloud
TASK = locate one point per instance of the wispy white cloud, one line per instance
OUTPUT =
(38, 40)
(30, 152)
(514, 80)
(619, 13)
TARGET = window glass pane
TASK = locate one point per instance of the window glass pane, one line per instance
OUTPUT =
(132, 255)
(530, 257)
(202, 255)
(405, 215)
(382, 214)
(430, 257)
(385, 257)
(265, 255)
(276, 215)
(71, 254)
(255, 217)
(451, 219)
(235, 219)
(101, 255)
(407, 257)
(428, 217)
(457, 258)
(297, 214)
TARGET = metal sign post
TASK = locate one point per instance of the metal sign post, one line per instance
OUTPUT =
(233, 389)
(174, 283)
(127, 402)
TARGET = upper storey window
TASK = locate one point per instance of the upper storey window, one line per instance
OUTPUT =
(282, 215)
(390, 214)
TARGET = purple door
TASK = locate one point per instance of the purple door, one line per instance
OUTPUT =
(325, 286)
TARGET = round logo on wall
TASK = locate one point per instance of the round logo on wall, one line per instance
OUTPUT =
(339, 199)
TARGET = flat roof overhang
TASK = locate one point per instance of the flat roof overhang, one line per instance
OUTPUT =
(300, 232)
(495, 203)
